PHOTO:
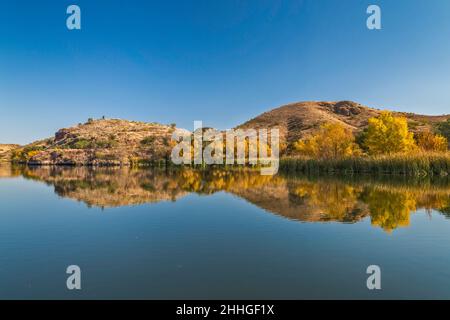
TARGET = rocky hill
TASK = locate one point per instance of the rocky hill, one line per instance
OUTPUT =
(300, 120)
(101, 142)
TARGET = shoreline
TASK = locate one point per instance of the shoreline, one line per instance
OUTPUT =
(418, 165)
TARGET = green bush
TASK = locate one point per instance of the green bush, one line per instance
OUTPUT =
(92, 144)
(147, 141)
(443, 128)
(81, 144)
(102, 144)
(105, 156)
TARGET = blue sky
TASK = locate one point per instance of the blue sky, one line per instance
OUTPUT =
(220, 61)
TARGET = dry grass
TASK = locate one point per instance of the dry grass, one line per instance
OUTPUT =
(418, 164)
(302, 119)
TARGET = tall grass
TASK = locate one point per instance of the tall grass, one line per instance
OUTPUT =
(416, 164)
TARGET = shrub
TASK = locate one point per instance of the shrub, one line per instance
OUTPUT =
(105, 156)
(428, 141)
(166, 141)
(148, 141)
(26, 153)
(102, 144)
(443, 128)
(81, 144)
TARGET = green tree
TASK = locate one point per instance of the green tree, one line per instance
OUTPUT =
(443, 128)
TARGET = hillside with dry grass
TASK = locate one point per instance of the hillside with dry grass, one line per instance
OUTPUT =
(302, 119)
(6, 151)
(101, 142)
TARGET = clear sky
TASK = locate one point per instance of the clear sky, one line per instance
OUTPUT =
(220, 61)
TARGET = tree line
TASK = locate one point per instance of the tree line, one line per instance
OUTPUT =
(384, 135)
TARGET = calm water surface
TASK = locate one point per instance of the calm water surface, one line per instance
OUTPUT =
(185, 235)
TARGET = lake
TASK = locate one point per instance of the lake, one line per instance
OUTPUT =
(186, 234)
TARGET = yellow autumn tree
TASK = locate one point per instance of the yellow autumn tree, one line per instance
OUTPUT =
(390, 210)
(387, 134)
(428, 141)
(332, 141)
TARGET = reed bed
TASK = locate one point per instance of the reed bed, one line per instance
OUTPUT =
(416, 164)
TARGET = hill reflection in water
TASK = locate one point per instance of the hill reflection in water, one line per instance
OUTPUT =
(388, 202)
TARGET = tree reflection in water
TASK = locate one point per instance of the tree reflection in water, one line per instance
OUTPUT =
(388, 202)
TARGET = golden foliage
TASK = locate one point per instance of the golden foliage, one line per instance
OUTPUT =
(337, 201)
(428, 141)
(332, 141)
(390, 210)
(387, 134)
